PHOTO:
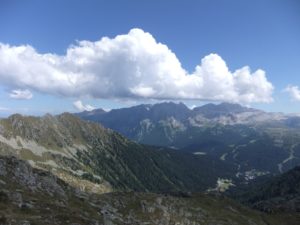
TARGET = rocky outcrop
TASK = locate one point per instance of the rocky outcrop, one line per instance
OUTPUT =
(32, 196)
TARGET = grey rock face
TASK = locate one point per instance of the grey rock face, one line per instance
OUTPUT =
(22, 173)
(2, 167)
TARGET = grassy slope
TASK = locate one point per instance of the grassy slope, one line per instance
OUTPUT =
(36, 197)
(124, 164)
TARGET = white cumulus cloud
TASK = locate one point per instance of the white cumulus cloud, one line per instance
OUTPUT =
(129, 66)
(21, 94)
(81, 107)
(293, 91)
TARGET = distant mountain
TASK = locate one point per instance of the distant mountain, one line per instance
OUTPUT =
(143, 123)
(165, 120)
(97, 159)
(280, 194)
(33, 196)
(92, 113)
(223, 109)
(127, 121)
(156, 112)
(257, 142)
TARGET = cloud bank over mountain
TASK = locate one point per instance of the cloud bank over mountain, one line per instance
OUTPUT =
(129, 66)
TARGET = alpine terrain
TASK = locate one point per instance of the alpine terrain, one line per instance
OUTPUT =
(257, 142)
(33, 196)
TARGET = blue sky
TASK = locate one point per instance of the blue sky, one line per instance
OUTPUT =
(261, 34)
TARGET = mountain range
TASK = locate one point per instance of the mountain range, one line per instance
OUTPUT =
(89, 156)
(258, 143)
(65, 170)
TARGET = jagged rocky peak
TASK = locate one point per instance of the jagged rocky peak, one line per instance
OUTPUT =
(171, 106)
(170, 109)
(24, 126)
(50, 131)
(223, 109)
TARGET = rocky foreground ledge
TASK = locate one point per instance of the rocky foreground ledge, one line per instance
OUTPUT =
(34, 197)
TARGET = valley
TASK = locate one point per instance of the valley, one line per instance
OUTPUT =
(291, 157)
(82, 164)
(153, 112)
(238, 135)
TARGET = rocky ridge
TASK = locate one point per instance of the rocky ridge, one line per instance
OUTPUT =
(96, 159)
